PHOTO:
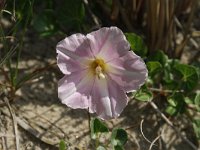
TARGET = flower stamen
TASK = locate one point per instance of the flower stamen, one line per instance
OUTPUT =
(98, 68)
(99, 73)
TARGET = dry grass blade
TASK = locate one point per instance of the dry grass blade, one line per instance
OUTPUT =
(23, 124)
(3, 143)
(9, 54)
(115, 10)
(14, 123)
(161, 15)
(193, 6)
(152, 143)
(124, 17)
(141, 130)
(94, 17)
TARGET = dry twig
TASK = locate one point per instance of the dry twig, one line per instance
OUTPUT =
(154, 106)
(3, 143)
(141, 130)
(152, 143)
(124, 16)
(94, 17)
(14, 123)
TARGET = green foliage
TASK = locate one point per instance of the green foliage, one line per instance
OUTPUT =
(7, 56)
(97, 127)
(119, 138)
(188, 75)
(44, 23)
(23, 13)
(62, 145)
(56, 17)
(137, 44)
(196, 126)
(144, 95)
(71, 14)
(153, 67)
(177, 79)
(197, 101)
(176, 104)
(160, 57)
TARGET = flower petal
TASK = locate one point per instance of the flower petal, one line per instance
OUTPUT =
(128, 71)
(108, 43)
(76, 44)
(108, 98)
(68, 65)
(74, 89)
(73, 53)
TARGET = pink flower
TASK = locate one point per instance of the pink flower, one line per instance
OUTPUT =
(99, 69)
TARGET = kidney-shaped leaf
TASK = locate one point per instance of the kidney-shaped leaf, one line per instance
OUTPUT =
(189, 76)
(96, 127)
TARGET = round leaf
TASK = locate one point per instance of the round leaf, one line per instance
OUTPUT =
(137, 44)
(144, 95)
(189, 76)
(119, 137)
(153, 67)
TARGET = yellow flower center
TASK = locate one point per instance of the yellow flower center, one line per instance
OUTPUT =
(98, 68)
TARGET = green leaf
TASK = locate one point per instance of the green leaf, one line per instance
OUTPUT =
(171, 110)
(169, 81)
(144, 95)
(8, 55)
(176, 104)
(189, 76)
(118, 147)
(153, 67)
(100, 148)
(159, 56)
(62, 145)
(193, 98)
(96, 127)
(119, 137)
(196, 127)
(197, 101)
(137, 44)
(188, 100)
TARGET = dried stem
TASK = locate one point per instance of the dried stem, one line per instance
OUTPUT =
(152, 143)
(3, 143)
(14, 123)
(94, 17)
(141, 130)
(154, 106)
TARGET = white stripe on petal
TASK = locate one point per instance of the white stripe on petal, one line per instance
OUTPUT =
(108, 98)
